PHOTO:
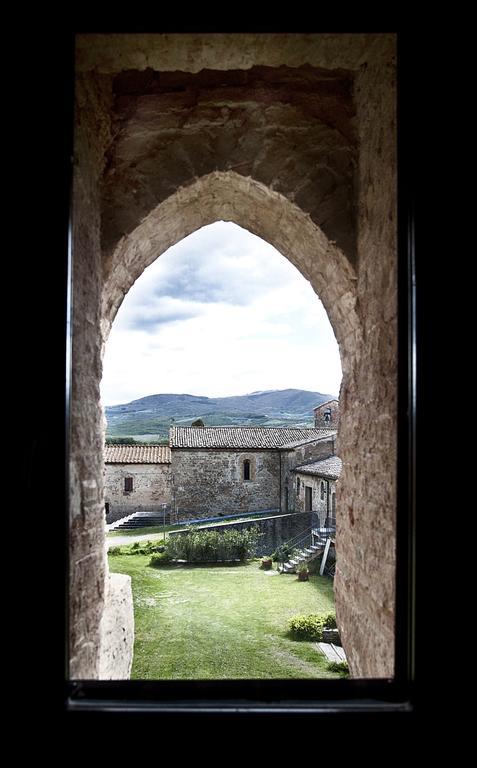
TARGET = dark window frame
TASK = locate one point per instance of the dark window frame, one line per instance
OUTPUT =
(246, 470)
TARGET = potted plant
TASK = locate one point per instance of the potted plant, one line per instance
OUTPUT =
(303, 572)
(266, 563)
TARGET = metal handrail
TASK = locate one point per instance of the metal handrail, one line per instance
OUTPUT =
(299, 541)
(296, 538)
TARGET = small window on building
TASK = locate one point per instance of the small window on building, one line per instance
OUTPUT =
(327, 416)
(106, 508)
(322, 491)
(128, 484)
(298, 485)
(246, 470)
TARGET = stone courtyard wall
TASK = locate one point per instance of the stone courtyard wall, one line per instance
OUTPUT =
(276, 529)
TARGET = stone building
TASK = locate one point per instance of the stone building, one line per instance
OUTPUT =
(327, 415)
(220, 470)
(315, 486)
(137, 478)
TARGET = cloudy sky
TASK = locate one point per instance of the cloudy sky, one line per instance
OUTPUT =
(220, 313)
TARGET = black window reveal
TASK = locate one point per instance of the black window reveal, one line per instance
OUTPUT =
(128, 484)
(246, 470)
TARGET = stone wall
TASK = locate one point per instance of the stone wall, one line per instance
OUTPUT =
(276, 529)
(322, 506)
(88, 566)
(340, 187)
(208, 482)
(117, 629)
(366, 535)
(327, 415)
(152, 486)
(309, 452)
(319, 449)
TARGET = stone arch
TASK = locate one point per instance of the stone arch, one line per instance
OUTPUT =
(362, 307)
(244, 459)
(229, 196)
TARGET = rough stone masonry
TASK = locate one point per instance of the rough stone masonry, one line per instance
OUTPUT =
(293, 137)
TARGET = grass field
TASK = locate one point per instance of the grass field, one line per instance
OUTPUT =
(221, 621)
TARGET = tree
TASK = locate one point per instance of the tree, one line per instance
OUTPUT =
(198, 423)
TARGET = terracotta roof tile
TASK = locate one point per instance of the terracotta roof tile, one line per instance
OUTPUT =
(137, 454)
(330, 468)
(321, 434)
(242, 437)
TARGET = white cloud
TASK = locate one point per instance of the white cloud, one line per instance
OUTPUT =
(220, 313)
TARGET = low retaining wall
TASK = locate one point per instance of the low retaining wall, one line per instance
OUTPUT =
(117, 629)
(276, 529)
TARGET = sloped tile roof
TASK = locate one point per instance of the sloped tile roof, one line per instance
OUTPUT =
(241, 437)
(137, 454)
(329, 468)
(321, 434)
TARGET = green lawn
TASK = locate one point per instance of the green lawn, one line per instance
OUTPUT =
(221, 622)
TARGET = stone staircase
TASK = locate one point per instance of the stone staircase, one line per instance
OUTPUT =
(142, 520)
(303, 555)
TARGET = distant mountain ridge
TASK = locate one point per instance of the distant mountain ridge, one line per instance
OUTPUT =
(152, 415)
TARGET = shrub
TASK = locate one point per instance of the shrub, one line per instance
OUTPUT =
(306, 627)
(329, 620)
(114, 551)
(158, 559)
(283, 553)
(213, 546)
(145, 548)
(339, 666)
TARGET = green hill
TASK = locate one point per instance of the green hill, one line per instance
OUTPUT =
(150, 417)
